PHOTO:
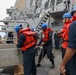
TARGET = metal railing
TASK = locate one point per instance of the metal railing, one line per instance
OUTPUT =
(17, 21)
(8, 28)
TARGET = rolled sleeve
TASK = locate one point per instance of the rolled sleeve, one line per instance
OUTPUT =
(72, 35)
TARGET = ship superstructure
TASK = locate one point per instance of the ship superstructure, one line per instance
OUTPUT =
(36, 12)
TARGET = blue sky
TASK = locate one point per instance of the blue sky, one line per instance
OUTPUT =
(4, 4)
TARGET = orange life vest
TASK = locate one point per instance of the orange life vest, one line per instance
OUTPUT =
(73, 18)
(45, 35)
(64, 34)
(23, 30)
(30, 40)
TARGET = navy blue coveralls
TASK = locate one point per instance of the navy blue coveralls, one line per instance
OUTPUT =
(72, 44)
(28, 57)
(56, 38)
(47, 49)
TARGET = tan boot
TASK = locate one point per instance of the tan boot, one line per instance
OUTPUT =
(18, 70)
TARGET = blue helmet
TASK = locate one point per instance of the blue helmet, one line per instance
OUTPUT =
(67, 15)
(74, 9)
(44, 25)
(17, 27)
(32, 29)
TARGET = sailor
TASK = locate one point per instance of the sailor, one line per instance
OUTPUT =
(64, 35)
(56, 39)
(46, 42)
(26, 42)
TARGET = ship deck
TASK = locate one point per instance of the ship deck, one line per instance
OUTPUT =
(44, 69)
